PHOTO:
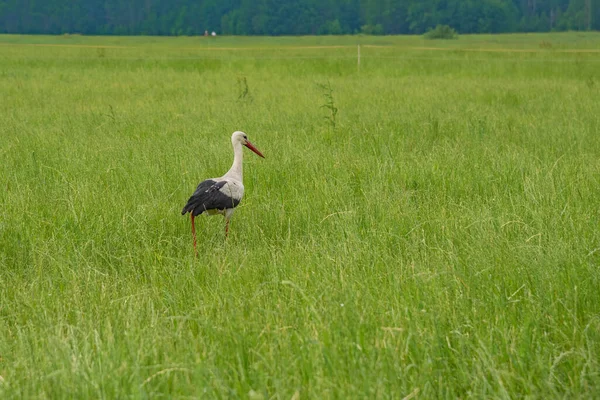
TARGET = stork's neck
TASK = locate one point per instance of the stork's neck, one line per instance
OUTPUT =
(236, 170)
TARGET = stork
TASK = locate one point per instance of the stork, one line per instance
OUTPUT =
(221, 195)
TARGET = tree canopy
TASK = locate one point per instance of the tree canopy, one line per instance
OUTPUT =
(293, 17)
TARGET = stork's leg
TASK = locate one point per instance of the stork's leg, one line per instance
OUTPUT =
(194, 232)
(228, 214)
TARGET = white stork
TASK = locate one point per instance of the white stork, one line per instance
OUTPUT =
(221, 195)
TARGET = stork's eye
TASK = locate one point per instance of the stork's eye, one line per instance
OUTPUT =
(245, 137)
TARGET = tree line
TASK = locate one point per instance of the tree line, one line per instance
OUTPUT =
(293, 17)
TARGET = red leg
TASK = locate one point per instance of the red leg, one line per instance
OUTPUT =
(194, 232)
(226, 227)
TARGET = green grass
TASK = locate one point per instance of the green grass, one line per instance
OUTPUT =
(442, 241)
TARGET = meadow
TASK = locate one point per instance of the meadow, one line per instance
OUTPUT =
(424, 225)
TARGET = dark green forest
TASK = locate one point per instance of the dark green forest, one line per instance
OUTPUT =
(293, 17)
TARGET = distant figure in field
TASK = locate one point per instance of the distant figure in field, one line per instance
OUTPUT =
(213, 34)
(205, 33)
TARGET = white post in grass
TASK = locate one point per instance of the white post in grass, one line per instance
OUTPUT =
(358, 59)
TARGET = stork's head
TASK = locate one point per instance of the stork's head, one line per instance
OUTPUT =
(242, 138)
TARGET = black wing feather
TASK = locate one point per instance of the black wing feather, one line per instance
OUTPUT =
(208, 196)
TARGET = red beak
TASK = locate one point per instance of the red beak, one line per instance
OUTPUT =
(254, 149)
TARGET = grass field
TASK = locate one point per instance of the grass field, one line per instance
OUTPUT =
(438, 237)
